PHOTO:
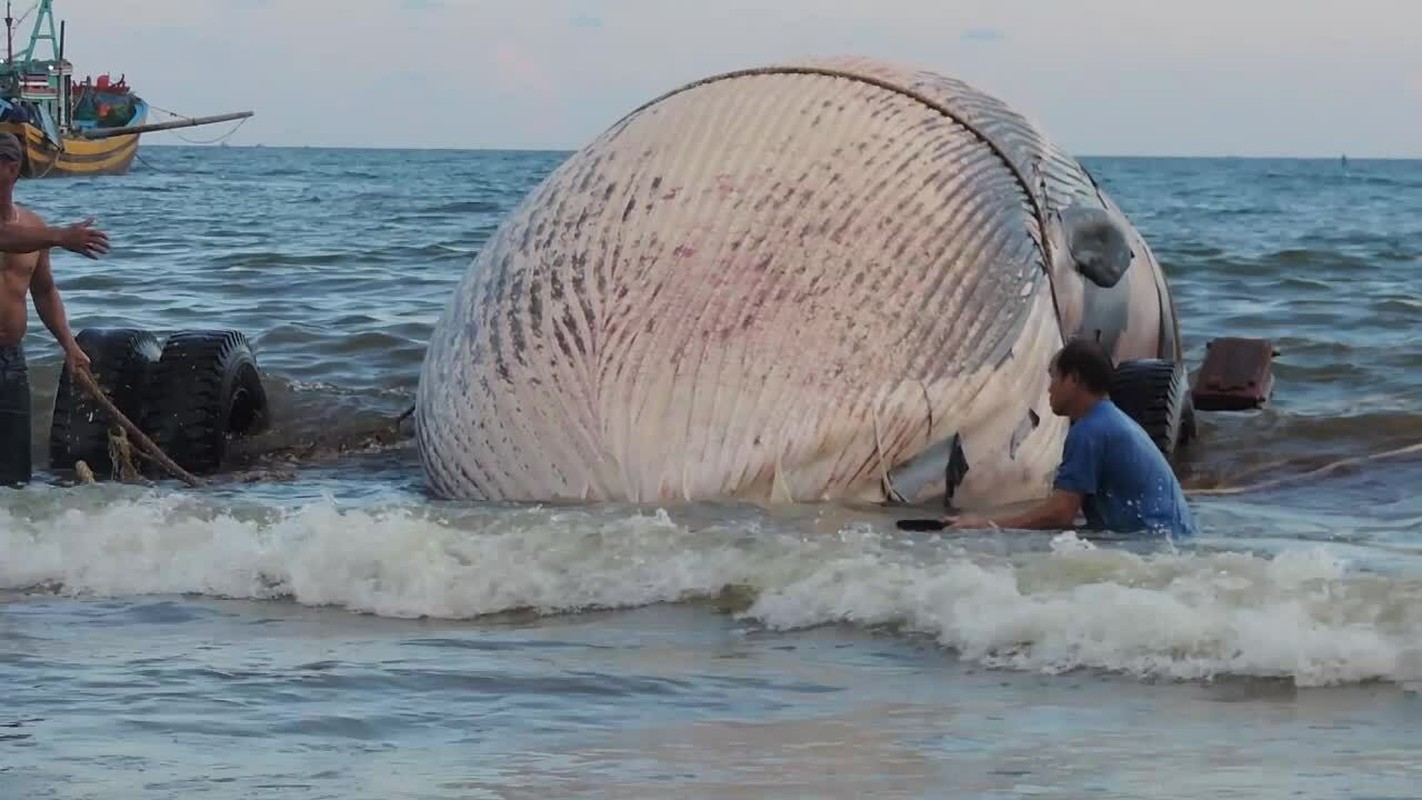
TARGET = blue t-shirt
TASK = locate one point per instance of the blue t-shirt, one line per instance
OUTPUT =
(1126, 484)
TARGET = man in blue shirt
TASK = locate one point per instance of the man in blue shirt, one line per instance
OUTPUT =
(1111, 471)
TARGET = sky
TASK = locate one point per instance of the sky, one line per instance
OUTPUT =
(1103, 77)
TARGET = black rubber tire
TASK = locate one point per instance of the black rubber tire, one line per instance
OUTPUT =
(204, 392)
(122, 360)
(1155, 394)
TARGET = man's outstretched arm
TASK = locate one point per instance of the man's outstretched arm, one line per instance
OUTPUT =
(79, 238)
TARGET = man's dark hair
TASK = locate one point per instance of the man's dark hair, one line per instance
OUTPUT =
(10, 147)
(1086, 360)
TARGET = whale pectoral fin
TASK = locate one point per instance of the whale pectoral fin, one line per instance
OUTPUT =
(1098, 245)
(954, 472)
(1024, 428)
(943, 462)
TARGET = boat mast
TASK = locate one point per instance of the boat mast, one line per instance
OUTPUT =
(9, 35)
(44, 17)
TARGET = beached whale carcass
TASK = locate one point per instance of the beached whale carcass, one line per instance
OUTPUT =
(835, 280)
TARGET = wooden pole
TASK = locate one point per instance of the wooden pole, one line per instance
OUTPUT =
(186, 122)
(86, 379)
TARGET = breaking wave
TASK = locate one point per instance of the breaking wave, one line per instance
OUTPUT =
(1303, 614)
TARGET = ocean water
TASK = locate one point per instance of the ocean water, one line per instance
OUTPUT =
(321, 628)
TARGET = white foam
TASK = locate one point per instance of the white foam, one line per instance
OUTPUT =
(1302, 614)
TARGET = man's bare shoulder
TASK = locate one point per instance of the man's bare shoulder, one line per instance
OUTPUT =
(27, 217)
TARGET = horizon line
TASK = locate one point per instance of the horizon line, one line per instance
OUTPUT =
(486, 149)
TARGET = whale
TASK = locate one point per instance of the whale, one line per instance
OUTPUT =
(839, 279)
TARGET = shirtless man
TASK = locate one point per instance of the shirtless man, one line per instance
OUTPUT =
(25, 242)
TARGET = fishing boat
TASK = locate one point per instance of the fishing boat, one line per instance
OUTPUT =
(71, 128)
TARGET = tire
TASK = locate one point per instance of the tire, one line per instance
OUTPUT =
(1153, 392)
(122, 359)
(204, 392)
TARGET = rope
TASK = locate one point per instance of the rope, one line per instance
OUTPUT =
(224, 136)
(1039, 212)
(119, 451)
(26, 15)
(145, 162)
(1416, 447)
(86, 379)
(323, 445)
(166, 111)
(121, 456)
(54, 161)
(176, 115)
(52, 164)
